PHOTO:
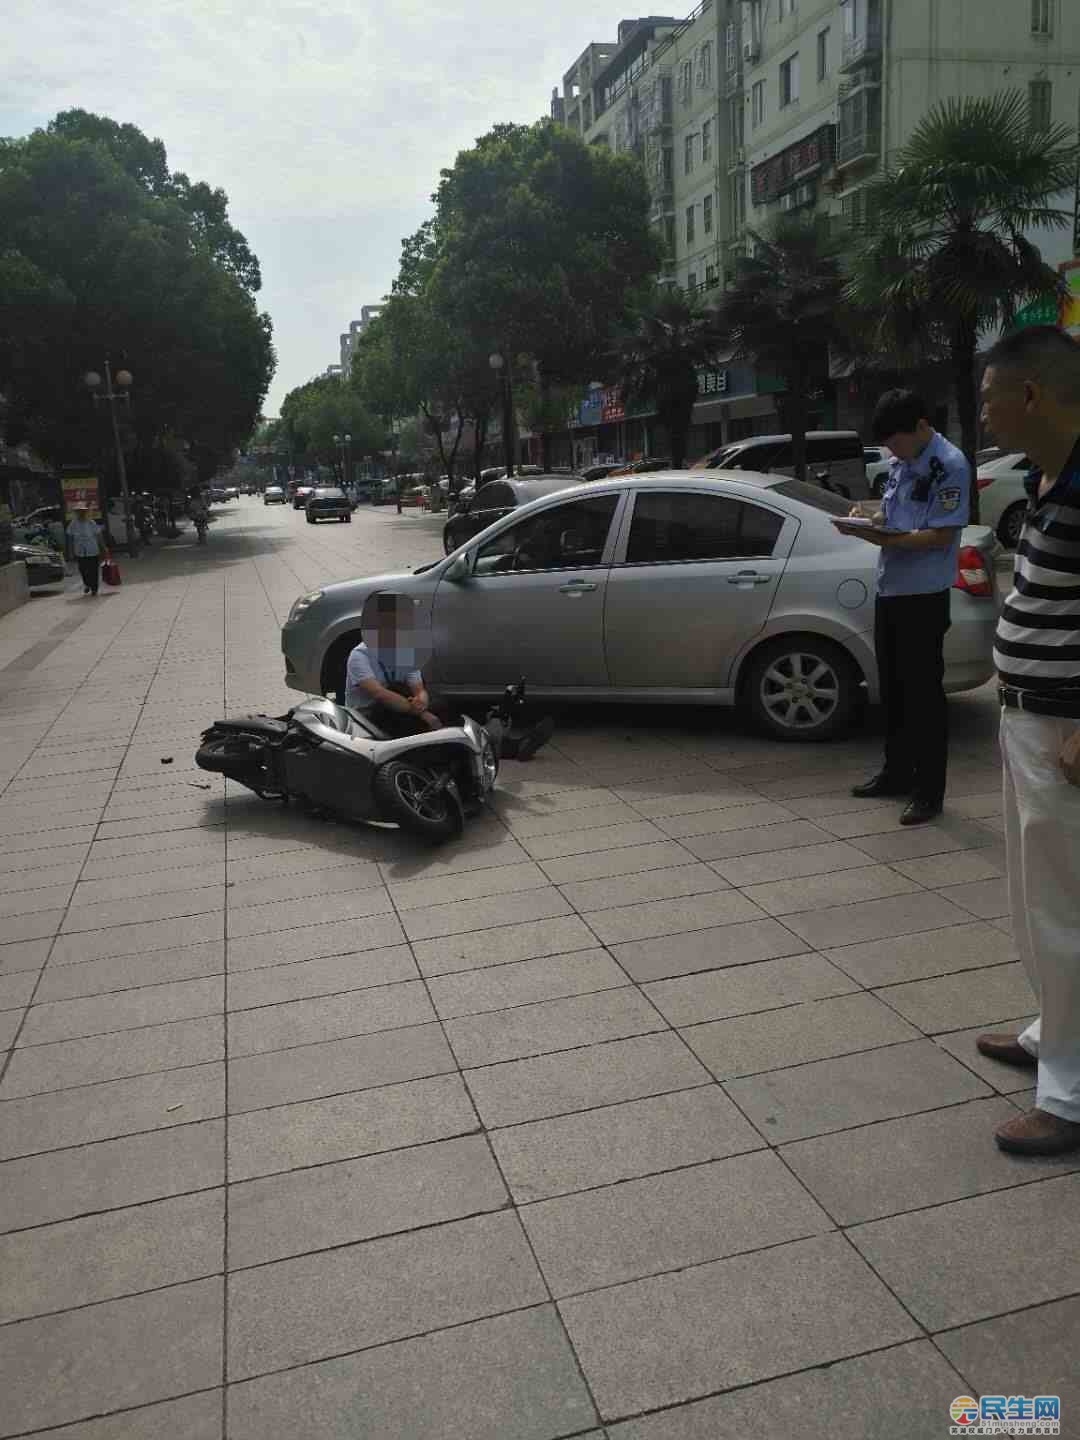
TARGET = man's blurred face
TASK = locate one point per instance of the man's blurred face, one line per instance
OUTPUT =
(1009, 404)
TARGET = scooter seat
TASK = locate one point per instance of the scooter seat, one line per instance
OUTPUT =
(260, 724)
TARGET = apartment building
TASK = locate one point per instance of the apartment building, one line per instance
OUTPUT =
(348, 340)
(831, 89)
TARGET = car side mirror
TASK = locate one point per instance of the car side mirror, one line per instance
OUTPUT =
(459, 569)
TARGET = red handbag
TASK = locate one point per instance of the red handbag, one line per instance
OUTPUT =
(110, 571)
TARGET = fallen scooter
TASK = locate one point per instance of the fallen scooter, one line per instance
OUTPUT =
(337, 761)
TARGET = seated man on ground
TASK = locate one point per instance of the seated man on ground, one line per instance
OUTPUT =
(384, 680)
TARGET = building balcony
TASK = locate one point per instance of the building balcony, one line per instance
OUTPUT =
(861, 144)
(736, 159)
(733, 83)
(861, 49)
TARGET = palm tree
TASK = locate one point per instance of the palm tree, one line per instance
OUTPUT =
(669, 339)
(944, 257)
(785, 310)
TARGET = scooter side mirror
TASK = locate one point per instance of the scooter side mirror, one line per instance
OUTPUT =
(459, 569)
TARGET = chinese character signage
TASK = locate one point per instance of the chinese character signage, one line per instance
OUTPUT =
(80, 488)
(713, 382)
(786, 167)
(611, 405)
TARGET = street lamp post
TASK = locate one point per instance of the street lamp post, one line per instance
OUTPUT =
(343, 442)
(113, 397)
(499, 364)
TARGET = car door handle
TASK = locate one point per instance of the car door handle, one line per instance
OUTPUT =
(749, 577)
(576, 587)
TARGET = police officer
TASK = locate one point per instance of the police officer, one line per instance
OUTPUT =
(924, 508)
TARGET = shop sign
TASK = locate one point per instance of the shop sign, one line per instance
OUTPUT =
(713, 382)
(792, 164)
(611, 405)
(80, 488)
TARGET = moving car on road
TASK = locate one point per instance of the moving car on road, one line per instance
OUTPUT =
(675, 588)
(328, 503)
(273, 495)
(301, 495)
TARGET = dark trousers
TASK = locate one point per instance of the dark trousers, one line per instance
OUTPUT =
(397, 724)
(89, 566)
(909, 635)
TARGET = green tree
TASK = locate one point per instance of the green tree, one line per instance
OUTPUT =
(945, 257)
(103, 252)
(669, 340)
(312, 414)
(785, 310)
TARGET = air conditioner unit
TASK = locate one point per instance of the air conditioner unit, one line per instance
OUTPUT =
(788, 202)
(750, 51)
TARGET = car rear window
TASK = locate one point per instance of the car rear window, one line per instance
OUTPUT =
(813, 496)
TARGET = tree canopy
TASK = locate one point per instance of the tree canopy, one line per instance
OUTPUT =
(311, 416)
(106, 253)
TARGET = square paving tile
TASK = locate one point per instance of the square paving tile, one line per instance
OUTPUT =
(1032, 1352)
(35, 1123)
(875, 919)
(895, 1394)
(837, 1094)
(85, 1362)
(328, 1017)
(316, 1208)
(815, 1030)
(974, 997)
(584, 842)
(961, 1262)
(86, 1061)
(668, 1222)
(340, 1127)
(329, 975)
(125, 1010)
(628, 860)
(468, 885)
(130, 972)
(137, 939)
(510, 1378)
(915, 1161)
(381, 1290)
(662, 957)
(801, 860)
(948, 835)
(961, 868)
(503, 943)
(756, 840)
(574, 1080)
(639, 1137)
(728, 817)
(767, 985)
(312, 942)
(551, 1025)
(989, 899)
(523, 982)
(670, 917)
(819, 892)
(102, 1257)
(430, 921)
(690, 878)
(40, 1189)
(730, 1322)
(901, 958)
(267, 919)
(306, 1072)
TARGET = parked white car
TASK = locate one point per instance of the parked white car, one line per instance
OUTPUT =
(1000, 476)
(878, 458)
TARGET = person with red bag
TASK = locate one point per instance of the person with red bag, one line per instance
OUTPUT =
(86, 547)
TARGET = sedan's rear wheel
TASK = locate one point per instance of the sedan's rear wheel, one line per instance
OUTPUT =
(801, 688)
(1011, 524)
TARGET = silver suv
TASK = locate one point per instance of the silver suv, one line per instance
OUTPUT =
(721, 589)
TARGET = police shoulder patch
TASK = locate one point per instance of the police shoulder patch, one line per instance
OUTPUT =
(949, 499)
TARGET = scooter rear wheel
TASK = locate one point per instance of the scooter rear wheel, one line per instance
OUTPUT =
(420, 801)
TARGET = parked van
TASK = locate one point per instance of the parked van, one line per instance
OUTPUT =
(834, 459)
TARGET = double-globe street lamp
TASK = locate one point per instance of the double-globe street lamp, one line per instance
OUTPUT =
(113, 396)
(499, 364)
(343, 442)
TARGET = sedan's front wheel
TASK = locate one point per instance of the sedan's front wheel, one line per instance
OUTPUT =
(801, 688)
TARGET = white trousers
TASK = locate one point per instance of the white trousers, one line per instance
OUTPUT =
(1042, 836)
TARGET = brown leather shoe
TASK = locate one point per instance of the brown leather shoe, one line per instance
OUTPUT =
(1038, 1133)
(1006, 1048)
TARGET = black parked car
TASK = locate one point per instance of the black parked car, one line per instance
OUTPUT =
(496, 499)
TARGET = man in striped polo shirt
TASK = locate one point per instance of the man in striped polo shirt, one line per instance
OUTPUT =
(1031, 402)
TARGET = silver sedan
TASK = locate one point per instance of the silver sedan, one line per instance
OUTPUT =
(719, 588)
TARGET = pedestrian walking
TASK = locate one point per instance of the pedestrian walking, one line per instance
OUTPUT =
(924, 508)
(86, 546)
(1031, 402)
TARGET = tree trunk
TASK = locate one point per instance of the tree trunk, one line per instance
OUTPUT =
(481, 441)
(962, 355)
(796, 409)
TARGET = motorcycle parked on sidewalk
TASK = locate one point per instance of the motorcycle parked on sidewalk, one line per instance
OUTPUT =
(337, 761)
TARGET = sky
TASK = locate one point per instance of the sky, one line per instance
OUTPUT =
(326, 122)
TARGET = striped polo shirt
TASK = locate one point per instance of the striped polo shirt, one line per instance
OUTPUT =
(1038, 633)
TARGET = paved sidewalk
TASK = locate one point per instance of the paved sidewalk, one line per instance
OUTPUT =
(650, 1110)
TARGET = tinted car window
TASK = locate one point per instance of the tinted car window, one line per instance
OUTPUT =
(673, 527)
(835, 447)
(494, 496)
(814, 496)
(571, 535)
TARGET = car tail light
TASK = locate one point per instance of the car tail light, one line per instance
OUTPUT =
(971, 572)
(981, 481)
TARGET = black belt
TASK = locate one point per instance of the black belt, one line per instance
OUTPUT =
(1065, 703)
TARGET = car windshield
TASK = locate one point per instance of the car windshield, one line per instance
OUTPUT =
(813, 496)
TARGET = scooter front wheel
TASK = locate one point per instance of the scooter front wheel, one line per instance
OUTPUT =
(421, 801)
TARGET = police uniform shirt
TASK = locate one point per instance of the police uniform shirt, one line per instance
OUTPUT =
(931, 492)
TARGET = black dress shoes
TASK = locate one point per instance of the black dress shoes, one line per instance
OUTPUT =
(881, 787)
(919, 812)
